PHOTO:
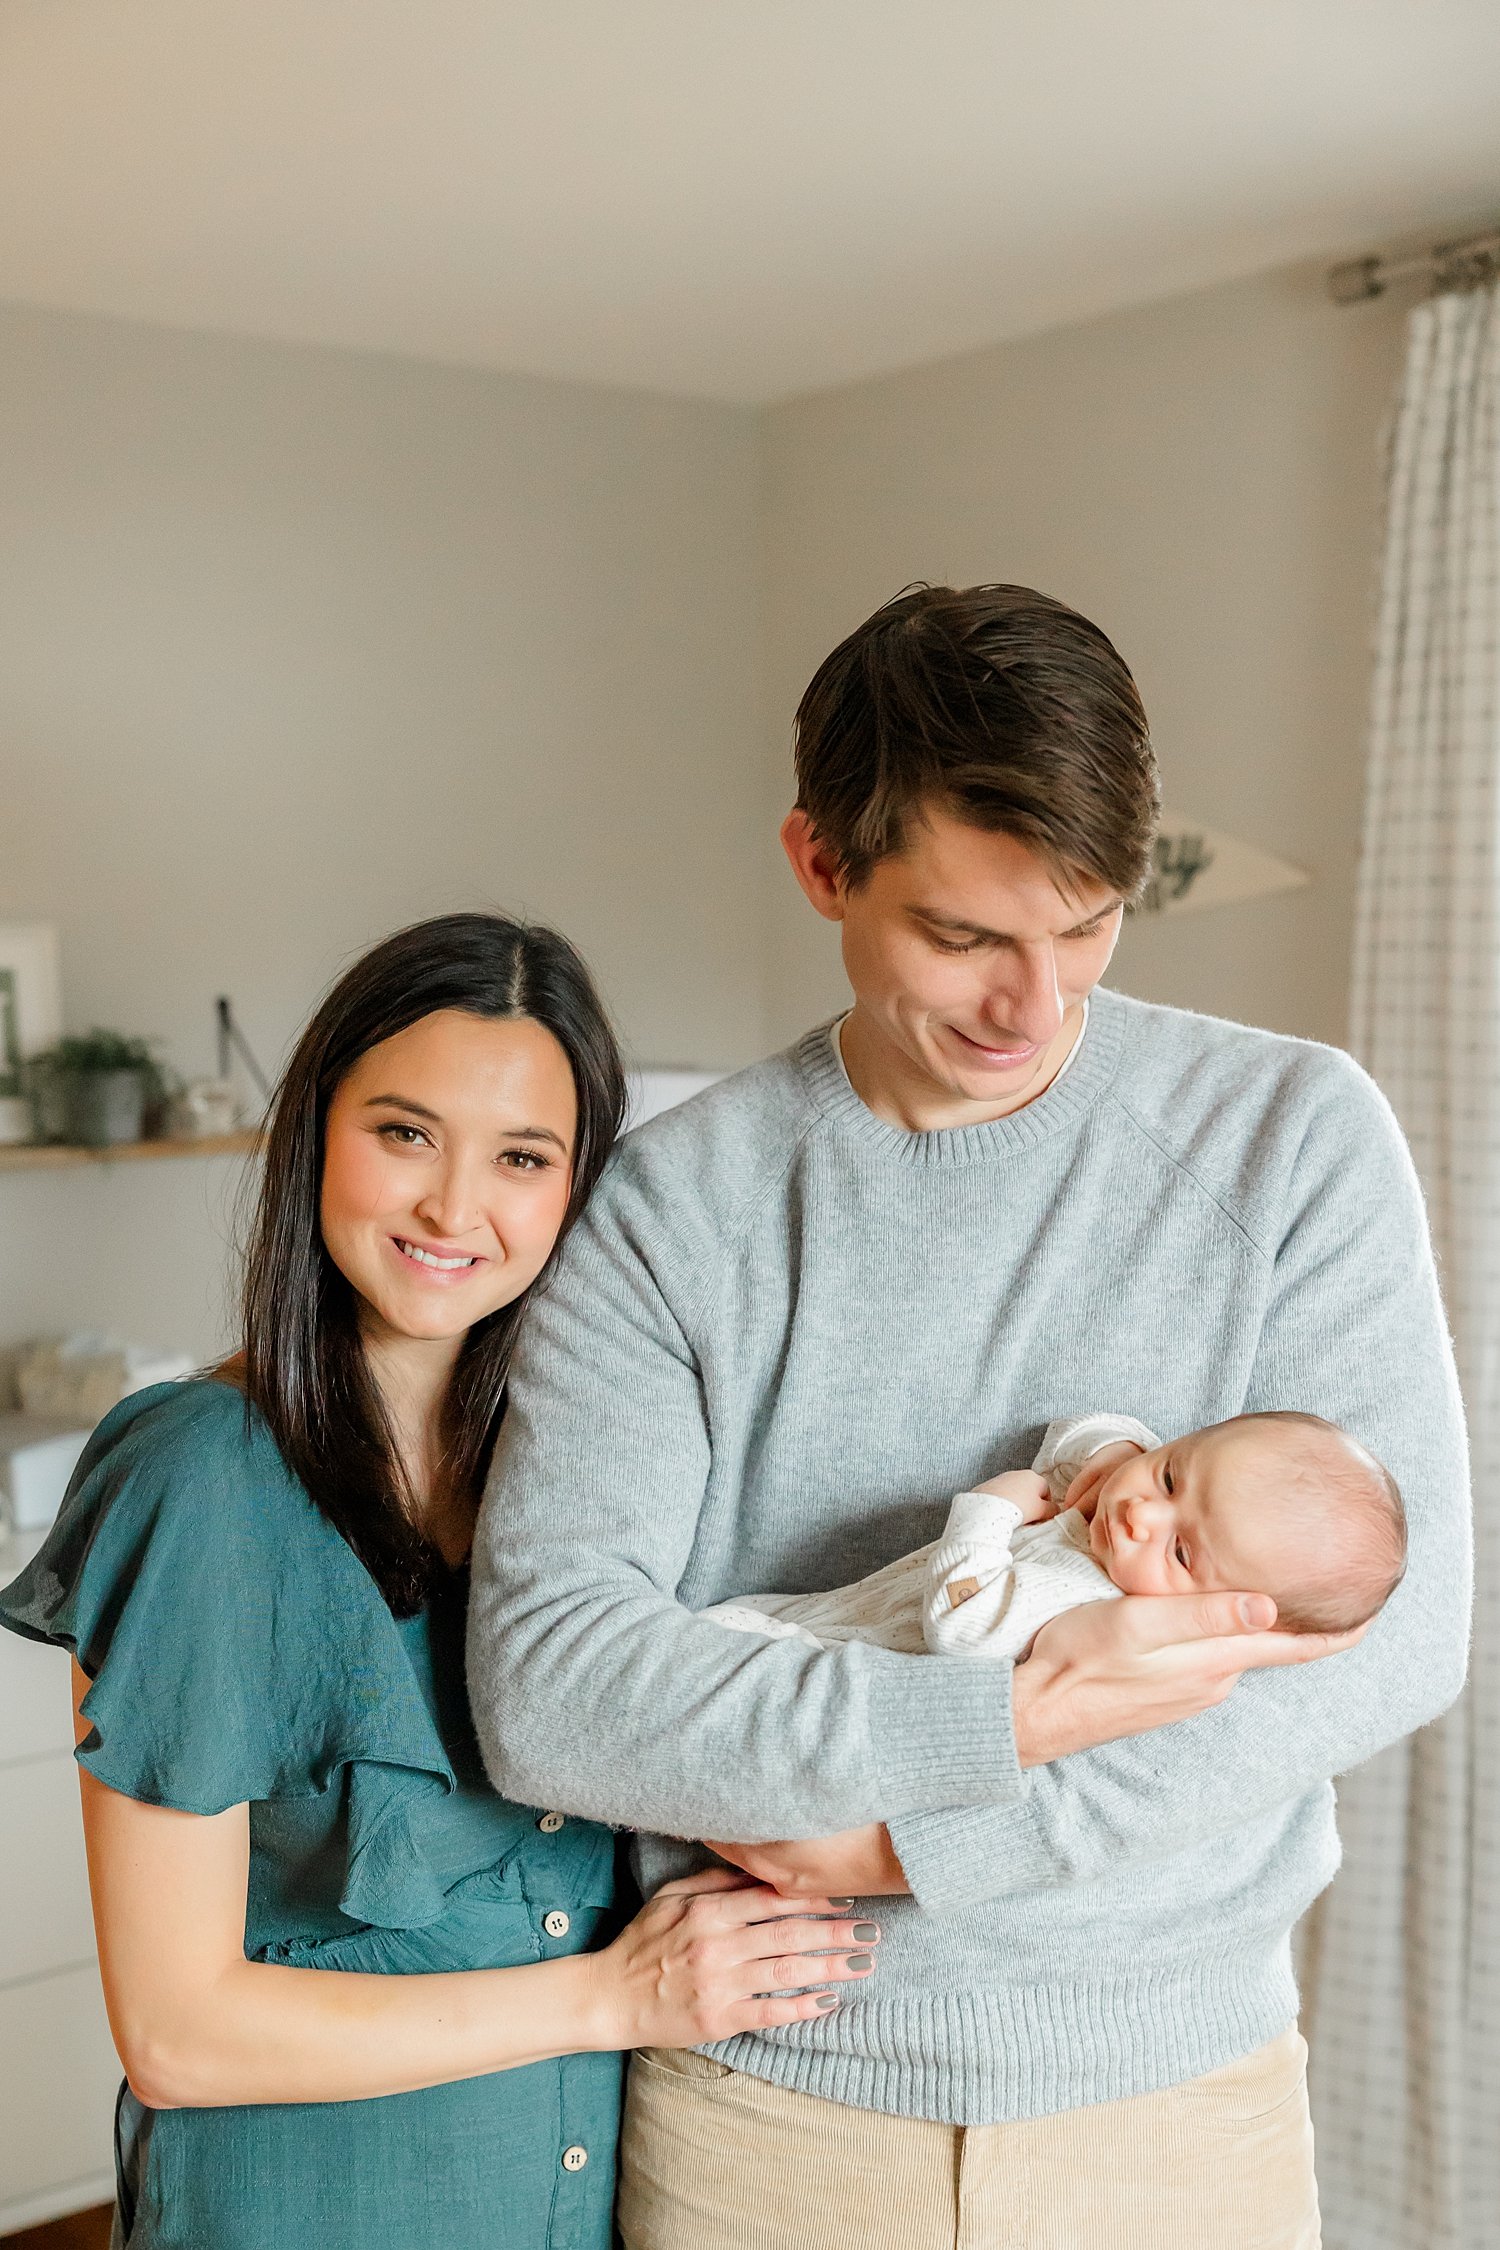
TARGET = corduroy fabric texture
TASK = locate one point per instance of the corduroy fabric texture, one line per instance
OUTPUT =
(713, 2160)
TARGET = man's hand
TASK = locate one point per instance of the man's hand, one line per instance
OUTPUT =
(1110, 1669)
(859, 1863)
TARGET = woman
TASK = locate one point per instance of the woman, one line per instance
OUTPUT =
(352, 1988)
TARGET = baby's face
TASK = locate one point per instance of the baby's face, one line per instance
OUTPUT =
(1184, 1519)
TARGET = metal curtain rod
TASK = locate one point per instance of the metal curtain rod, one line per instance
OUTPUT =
(1457, 264)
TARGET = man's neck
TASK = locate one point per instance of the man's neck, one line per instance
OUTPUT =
(899, 1092)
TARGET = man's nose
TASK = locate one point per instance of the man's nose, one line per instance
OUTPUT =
(1028, 1000)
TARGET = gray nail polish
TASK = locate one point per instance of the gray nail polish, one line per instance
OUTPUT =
(861, 1961)
(841, 1902)
(865, 1933)
(828, 1999)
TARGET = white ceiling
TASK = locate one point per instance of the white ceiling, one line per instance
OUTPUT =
(740, 198)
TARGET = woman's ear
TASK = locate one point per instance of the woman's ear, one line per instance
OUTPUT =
(813, 865)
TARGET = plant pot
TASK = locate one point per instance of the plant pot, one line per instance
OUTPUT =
(106, 1107)
(47, 1092)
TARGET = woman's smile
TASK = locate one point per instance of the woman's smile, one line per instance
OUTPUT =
(435, 1261)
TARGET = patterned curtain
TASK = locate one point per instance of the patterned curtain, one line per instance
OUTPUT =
(1402, 1965)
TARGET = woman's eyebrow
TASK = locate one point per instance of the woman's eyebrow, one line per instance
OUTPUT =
(401, 1101)
(508, 1132)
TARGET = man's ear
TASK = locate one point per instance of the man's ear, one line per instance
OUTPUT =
(813, 865)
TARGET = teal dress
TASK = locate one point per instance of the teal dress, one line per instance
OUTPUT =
(240, 1653)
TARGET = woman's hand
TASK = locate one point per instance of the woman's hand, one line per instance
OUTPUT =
(860, 1862)
(714, 1954)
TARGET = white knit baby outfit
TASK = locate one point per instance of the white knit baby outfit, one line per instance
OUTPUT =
(986, 1588)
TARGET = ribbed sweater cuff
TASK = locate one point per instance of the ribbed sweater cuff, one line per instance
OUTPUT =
(943, 1734)
(965, 1854)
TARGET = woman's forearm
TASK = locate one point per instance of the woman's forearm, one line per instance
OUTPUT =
(274, 2034)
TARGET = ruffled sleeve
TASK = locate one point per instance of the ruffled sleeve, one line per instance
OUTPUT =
(237, 1649)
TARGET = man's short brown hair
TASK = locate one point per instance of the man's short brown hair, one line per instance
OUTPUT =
(998, 705)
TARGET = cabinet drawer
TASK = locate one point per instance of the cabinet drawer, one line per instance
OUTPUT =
(58, 2079)
(35, 1708)
(45, 1922)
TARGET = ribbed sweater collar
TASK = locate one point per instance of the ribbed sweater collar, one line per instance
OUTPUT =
(1063, 1104)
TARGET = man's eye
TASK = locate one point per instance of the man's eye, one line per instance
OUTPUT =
(947, 945)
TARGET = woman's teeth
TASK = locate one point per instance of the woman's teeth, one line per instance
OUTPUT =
(428, 1258)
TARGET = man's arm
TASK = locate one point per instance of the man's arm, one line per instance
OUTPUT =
(1354, 1330)
(593, 1689)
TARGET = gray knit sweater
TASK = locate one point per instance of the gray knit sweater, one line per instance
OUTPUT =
(784, 1334)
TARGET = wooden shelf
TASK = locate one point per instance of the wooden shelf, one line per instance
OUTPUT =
(26, 1156)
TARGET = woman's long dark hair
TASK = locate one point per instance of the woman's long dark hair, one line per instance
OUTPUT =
(304, 1365)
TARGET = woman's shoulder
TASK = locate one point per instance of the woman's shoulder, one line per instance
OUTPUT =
(236, 1647)
(182, 1496)
(198, 1447)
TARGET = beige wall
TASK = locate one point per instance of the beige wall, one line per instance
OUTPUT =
(1201, 477)
(297, 645)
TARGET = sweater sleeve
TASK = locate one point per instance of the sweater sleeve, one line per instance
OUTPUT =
(1353, 1330)
(594, 1689)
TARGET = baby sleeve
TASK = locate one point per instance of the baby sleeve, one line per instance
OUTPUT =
(1074, 1439)
(971, 1576)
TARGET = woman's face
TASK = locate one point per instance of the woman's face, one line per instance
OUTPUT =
(446, 1169)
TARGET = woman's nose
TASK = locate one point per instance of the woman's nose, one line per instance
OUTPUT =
(450, 1205)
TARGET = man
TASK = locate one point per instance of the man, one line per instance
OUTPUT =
(809, 1306)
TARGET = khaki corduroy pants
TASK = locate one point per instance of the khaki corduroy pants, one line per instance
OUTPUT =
(715, 2160)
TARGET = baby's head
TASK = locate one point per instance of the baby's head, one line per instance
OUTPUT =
(1280, 1504)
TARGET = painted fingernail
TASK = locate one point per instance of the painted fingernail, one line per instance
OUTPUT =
(828, 1999)
(865, 1933)
(841, 1902)
(861, 1961)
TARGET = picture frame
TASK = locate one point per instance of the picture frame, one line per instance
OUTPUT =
(30, 1015)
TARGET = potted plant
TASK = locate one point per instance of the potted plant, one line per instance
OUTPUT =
(96, 1090)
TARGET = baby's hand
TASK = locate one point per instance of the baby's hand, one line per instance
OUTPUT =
(1083, 1492)
(1025, 1490)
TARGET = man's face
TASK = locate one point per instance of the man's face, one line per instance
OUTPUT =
(969, 967)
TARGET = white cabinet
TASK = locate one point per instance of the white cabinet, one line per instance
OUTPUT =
(46, 1923)
(58, 2070)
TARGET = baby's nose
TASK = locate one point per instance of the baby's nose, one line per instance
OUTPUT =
(1149, 1517)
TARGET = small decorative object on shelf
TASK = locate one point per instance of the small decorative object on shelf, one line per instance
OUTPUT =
(97, 1091)
(30, 1015)
(205, 1109)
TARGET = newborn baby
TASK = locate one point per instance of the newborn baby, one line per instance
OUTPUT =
(1280, 1504)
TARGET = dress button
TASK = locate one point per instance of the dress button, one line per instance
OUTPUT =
(575, 2158)
(556, 1924)
(550, 1823)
